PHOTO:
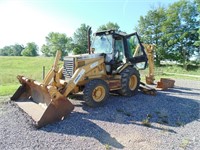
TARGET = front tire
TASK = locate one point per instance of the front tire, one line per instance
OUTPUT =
(130, 81)
(95, 92)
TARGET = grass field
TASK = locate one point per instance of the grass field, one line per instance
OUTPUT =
(175, 72)
(32, 67)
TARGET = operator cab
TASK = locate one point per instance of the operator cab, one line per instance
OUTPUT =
(119, 48)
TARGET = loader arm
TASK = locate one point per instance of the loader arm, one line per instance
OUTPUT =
(43, 101)
(80, 75)
(51, 74)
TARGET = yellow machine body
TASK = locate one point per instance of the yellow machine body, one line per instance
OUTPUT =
(46, 102)
(109, 67)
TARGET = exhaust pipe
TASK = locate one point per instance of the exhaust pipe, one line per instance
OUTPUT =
(89, 42)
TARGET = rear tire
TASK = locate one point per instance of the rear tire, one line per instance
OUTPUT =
(95, 92)
(130, 81)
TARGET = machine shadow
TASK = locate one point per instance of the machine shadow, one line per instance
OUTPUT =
(184, 90)
(165, 108)
(83, 127)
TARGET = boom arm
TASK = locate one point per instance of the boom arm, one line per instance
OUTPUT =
(149, 49)
(80, 74)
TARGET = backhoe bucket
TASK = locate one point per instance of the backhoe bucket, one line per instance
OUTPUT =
(44, 104)
(165, 83)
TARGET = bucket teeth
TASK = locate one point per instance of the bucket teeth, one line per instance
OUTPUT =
(56, 111)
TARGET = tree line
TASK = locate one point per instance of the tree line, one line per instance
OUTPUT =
(174, 30)
(31, 49)
(57, 41)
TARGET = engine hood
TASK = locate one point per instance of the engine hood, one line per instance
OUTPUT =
(85, 56)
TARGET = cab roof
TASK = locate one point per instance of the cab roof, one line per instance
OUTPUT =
(108, 32)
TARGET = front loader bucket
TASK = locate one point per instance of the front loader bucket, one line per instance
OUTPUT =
(44, 104)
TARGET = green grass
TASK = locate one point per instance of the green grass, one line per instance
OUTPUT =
(31, 67)
(184, 144)
(146, 122)
(8, 89)
(164, 72)
(10, 67)
(107, 147)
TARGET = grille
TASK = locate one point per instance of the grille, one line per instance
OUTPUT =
(68, 68)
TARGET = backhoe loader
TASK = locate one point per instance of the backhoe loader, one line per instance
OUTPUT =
(109, 66)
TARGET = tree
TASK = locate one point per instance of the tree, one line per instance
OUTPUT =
(12, 50)
(31, 49)
(197, 43)
(172, 30)
(56, 41)
(77, 50)
(46, 50)
(180, 30)
(80, 45)
(150, 29)
(17, 49)
(6, 51)
(109, 26)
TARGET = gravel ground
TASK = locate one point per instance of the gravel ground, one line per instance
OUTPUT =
(170, 120)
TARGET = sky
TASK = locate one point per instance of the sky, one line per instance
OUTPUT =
(23, 21)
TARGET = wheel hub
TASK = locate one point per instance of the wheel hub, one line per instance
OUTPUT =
(98, 93)
(133, 82)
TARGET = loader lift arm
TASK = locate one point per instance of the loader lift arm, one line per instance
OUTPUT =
(45, 102)
(42, 101)
(54, 70)
(80, 73)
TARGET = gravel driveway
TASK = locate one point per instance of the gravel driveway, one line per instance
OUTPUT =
(170, 120)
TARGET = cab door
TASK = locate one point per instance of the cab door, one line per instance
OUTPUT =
(135, 52)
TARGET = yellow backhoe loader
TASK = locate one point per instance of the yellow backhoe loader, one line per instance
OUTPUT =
(109, 66)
